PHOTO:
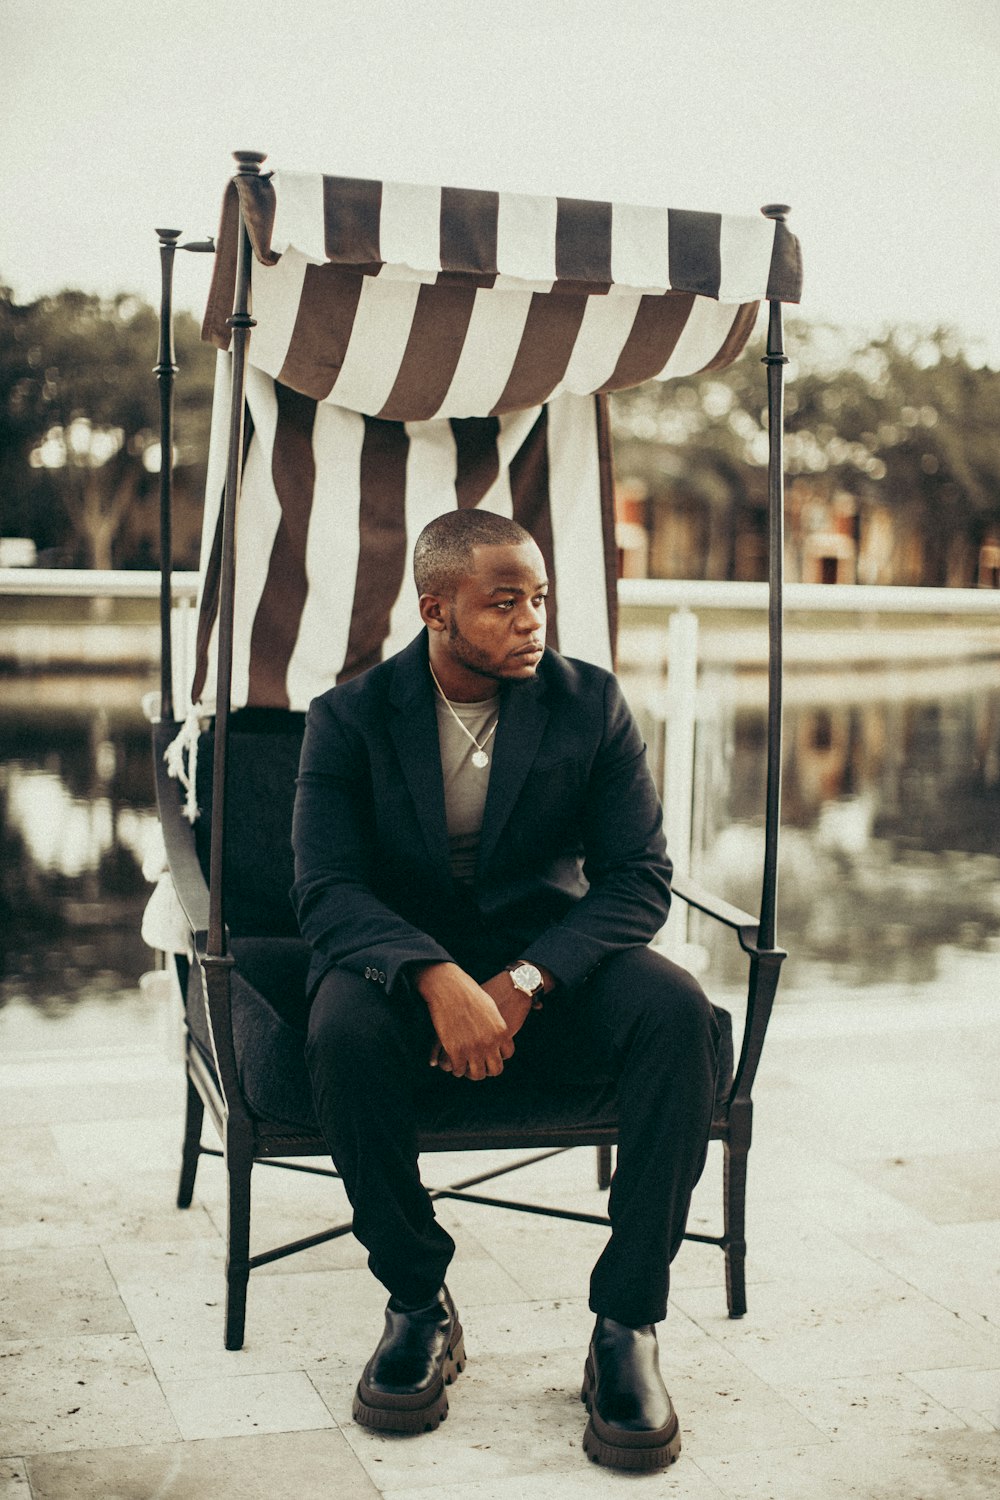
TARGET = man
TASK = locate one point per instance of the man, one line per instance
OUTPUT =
(480, 866)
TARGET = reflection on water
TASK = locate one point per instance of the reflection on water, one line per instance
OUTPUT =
(890, 857)
(76, 820)
(890, 845)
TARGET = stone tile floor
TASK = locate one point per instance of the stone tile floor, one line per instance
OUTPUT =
(867, 1366)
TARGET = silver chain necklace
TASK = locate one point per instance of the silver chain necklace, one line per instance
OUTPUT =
(479, 757)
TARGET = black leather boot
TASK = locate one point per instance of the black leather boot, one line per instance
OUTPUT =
(632, 1424)
(421, 1351)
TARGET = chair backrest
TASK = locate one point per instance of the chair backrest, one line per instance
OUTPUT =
(258, 871)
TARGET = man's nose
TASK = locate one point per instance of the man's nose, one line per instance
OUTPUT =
(531, 617)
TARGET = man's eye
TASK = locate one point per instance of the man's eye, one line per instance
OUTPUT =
(505, 604)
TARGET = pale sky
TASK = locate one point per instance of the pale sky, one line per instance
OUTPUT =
(877, 120)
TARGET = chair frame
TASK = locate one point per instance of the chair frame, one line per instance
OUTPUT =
(246, 1140)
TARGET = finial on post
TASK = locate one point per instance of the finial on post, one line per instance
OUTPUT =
(168, 236)
(778, 211)
(249, 162)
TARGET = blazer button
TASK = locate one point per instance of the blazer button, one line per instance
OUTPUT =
(381, 978)
(368, 972)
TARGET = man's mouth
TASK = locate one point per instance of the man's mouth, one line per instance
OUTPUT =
(530, 651)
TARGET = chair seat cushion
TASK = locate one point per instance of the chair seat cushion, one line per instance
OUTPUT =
(270, 1015)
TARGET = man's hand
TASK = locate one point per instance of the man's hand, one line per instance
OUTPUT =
(474, 1039)
(513, 1005)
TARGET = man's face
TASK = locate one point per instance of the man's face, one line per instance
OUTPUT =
(494, 627)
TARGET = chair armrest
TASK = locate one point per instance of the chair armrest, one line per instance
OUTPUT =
(765, 966)
(743, 924)
(178, 835)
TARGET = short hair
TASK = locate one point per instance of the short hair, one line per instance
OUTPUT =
(443, 551)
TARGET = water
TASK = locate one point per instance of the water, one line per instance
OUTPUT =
(890, 857)
(890, 842)
(77, 819)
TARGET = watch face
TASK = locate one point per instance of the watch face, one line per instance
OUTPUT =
(526, 978)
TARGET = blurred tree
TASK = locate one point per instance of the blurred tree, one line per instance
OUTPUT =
(907, 424)
(79, 424)
(903, 423)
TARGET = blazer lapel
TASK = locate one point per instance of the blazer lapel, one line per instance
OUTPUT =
(414, 730)
(523, 716)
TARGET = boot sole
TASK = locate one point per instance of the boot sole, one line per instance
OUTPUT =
(641, 1452)
(423, 1411)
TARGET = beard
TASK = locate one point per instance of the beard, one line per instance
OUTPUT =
(472, 657)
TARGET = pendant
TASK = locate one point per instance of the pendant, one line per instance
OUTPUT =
(480, 759)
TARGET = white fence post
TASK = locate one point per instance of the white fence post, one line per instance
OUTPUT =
(182, 632)
(680, 717)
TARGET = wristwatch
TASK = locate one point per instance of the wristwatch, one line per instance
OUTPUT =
(526, 978)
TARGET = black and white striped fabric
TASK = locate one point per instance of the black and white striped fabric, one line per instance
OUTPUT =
(332, 502)
(421, 348)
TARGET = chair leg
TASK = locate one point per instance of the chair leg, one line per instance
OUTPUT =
(734, 1192)
(191, 1149)
(604, 1167)
(239, 1165)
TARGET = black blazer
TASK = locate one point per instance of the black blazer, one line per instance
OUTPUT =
(572, 862)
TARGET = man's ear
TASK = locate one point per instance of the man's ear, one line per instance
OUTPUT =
(433, 611)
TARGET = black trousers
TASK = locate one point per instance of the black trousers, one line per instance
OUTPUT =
(639, 1022)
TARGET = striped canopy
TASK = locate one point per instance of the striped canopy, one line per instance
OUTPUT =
(410, 303)
(419, 348)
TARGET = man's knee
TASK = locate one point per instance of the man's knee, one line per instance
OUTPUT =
(660, 997)
(351, 1023)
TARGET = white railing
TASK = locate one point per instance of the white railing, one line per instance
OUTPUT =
(937, 624)
(643, 593)
(107, 640)
(820, 598)
(92, 583)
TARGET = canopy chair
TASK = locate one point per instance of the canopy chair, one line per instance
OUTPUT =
(386, 352)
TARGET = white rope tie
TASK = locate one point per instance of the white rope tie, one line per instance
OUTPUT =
(181, 757)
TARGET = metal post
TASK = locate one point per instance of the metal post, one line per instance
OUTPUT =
(241, 323)
(165, 370)
(775, 361)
